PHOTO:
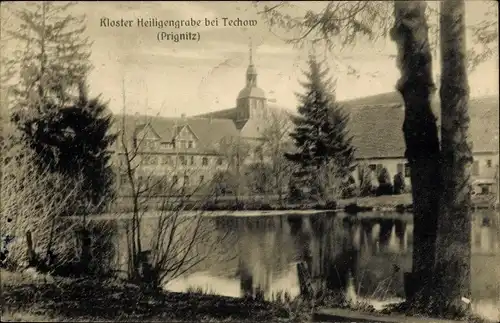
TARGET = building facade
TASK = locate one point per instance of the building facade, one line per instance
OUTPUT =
(192, 150)
(376, 126)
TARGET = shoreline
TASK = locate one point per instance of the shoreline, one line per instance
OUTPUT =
(400, 206)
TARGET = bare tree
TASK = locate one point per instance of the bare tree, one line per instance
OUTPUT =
(236, 152)
(275, 143)
(32, 201)
(181, 237)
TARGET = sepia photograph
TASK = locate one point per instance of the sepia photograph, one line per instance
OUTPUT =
(249, 161)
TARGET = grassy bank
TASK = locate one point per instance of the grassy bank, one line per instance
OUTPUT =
(27, 299)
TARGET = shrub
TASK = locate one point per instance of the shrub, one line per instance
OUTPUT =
(399, 183)
(384, 177)
(385, 185)
(365, 180)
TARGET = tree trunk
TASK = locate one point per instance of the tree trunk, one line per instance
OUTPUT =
(454, 235)
(410, 32)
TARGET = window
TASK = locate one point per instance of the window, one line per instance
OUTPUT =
(373, 167)
(175, 179)
(202, 178)
(219, 161)
(166, 145)
(183, 160)
(485, 189)
(488, 163)
(186, 180)
(192, 160)
(204, 161)
(407, 170)
(475, 168)
(190, 144)
(149, 160)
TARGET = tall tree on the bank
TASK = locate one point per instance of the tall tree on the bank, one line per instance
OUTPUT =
(52, 60)
(67, 129)
(345, 21)
(454, 239)
(410, 32)
(320, 134)
(75, 141)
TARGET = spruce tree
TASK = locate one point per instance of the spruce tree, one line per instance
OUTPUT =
(51, 60)
(323, 147)
(51, 108)
(76, 141)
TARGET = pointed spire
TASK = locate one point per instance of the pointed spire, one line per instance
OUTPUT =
(251, 77)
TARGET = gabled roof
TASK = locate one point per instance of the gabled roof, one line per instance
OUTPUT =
(208, 131)
(178, 130)
(376, 126)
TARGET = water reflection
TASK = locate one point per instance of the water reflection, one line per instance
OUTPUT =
(265, 251)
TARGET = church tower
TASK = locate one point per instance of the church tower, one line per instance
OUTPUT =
(251, 101)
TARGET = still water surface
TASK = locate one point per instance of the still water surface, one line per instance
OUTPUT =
(263, 252)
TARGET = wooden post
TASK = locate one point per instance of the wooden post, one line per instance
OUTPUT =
(30, 251)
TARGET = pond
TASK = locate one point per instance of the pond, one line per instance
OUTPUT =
(373, 249)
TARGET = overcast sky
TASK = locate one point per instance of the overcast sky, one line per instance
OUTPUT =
(196, 77)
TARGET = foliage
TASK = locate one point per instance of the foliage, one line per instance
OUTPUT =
(50, 104)
(75, 141)
(349, 188)
(341, 24)
(224, 182)
(258, 176)
(484, 37)
(32, 200)
(52, 59)
(320, 135)
(383, 176)
(385, 185)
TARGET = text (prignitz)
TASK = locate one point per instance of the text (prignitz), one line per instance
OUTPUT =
(176, 37)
